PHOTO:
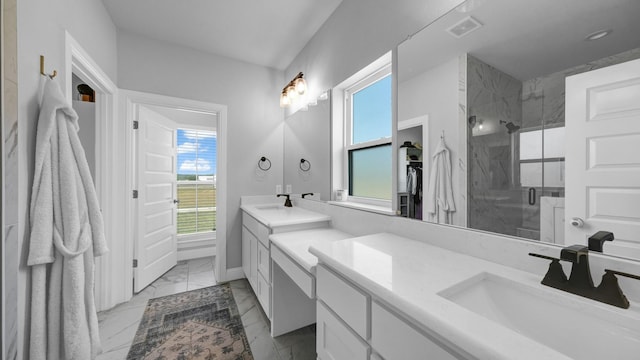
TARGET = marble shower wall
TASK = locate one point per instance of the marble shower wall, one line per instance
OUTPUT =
(10, 181)
(546, 93)
(543, 103)
(493, 100)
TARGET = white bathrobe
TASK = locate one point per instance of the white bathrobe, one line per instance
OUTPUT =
(67, 231)
(439, 200)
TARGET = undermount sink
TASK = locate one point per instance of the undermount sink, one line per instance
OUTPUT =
(271, 207)
(570, 325)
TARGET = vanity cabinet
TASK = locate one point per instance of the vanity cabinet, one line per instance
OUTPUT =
(256, 247)
(255, 259)
(353, 325)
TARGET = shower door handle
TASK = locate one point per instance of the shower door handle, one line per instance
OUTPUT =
(532, 196)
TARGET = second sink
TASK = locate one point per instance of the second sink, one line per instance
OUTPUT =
(570, 325)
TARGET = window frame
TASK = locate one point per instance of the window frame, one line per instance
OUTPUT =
(348, 146)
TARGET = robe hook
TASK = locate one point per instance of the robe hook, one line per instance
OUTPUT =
(55, 72)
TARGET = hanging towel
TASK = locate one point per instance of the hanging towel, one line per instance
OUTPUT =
(67, 232)
(412, 182)
(439, 200)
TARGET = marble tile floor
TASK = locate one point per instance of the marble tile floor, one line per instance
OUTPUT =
(119, 325)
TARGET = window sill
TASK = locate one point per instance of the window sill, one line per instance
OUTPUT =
(365, 207)
(197, 237)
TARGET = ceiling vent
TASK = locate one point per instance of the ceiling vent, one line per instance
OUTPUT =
(464, 27)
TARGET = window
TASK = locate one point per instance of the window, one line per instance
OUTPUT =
(542, 165)
(196, 181)
(368, 136)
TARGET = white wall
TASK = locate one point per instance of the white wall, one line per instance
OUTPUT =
(435, 92)
(41, 31)
(356, 34)
(251, 92)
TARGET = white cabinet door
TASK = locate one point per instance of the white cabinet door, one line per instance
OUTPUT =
(394, 339)
(156, 249)
(246, 253)
(603, 155)
(335, 341)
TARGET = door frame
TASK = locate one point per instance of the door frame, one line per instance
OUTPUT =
(130, 100)
(78, 61)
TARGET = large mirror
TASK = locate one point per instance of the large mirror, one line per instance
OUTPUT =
(307, 167)
(523, 118)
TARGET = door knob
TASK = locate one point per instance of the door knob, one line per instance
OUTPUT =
(176, 201)
(577, 222)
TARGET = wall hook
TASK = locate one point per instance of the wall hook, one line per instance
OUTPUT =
(261, 164)
(42, 69)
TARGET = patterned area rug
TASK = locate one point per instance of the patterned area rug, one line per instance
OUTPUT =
(199, 324)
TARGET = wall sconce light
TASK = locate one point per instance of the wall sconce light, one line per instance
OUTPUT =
(292, 90)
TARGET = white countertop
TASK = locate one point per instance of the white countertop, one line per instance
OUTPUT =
(408, 275)
(275, 215)
(296, 244)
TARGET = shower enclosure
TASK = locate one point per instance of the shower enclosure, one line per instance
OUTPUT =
(515, 148)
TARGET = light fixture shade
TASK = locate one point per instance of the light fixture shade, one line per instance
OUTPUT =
(284, 100)
(291, 93)
(301, 85)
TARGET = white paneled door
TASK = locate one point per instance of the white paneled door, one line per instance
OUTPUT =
(603, 157)
(156, 248)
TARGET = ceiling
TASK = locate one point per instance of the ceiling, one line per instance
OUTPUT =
(268, 33)
(524, 38)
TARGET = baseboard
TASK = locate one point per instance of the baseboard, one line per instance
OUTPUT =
(235, 274)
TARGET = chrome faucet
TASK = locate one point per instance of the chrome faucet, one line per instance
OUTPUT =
(580, 281)
(287, 203)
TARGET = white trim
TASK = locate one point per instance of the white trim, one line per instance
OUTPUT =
(3, 329)
(342, 118)
(188, 254)
(131, 99)
(233, 274)
(413, 122)
(205, 235)
(108, 288)
(383, 210)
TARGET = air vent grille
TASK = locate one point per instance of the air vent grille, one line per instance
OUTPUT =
(464, 27)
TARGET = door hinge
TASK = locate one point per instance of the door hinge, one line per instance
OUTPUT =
(135, 263)
(135, 194)
(135, 125)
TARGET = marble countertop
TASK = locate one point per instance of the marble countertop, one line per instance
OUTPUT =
(296, 244)
(408, 275)
(275, 215)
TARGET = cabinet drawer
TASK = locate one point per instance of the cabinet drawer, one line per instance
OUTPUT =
(394, 339)
(258, 229)
(305, 281)
(263, 292)
(263, 262)
(349, 303)
(335, 341)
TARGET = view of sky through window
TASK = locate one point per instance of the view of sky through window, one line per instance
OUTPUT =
(196, 152)
(372, 111)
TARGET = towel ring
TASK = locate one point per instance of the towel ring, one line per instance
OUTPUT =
(305, 167)
(264, 160)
